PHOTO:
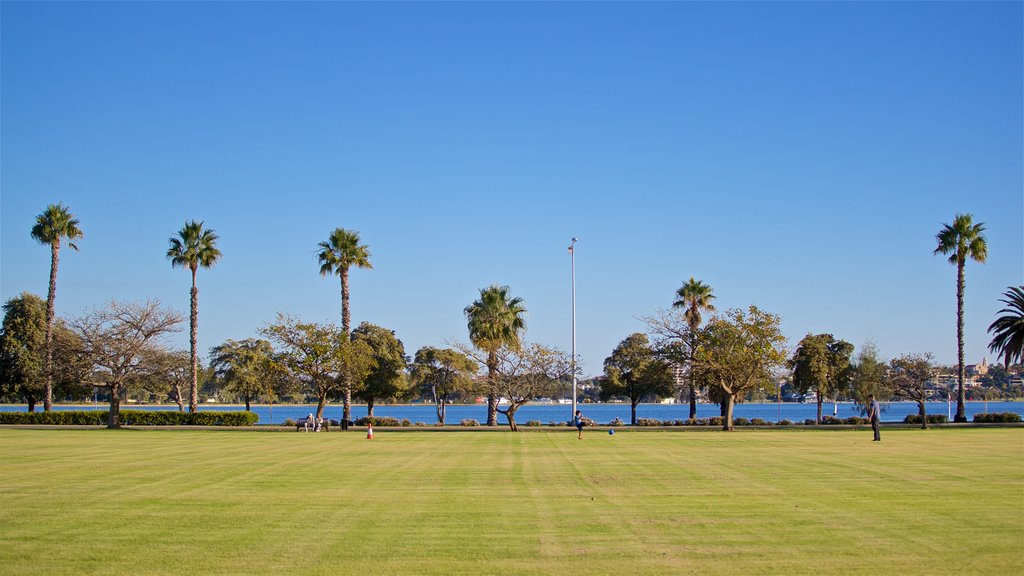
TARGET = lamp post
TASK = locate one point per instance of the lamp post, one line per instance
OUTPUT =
(572, 264)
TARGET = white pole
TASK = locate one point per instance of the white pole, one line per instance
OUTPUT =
(572, 262)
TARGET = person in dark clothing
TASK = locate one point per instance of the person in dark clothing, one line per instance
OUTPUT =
(578, 422)
(874, 414)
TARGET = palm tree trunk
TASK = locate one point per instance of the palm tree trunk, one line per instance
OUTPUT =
(346, 400)
(346, 318)
(492, 400)
(51, 298)
(693, 385)
(961, 415)
(193, 395)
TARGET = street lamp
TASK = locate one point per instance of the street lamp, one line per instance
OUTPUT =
(572, 264)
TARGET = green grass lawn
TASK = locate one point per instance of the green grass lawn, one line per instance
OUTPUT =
(747, 502)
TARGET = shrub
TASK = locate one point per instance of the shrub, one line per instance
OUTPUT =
(997, 417)
(406, 422)
(932, 419)
(759, 422)
(617, 422)
(62, 417)
(289, 422)
(420, 424)
(648, 422)
(131, 418)
(469, 422)
(785, 422)
(715, 421)
(856, 420)
(380, 421)
(809, 422)
(534, 423)
(830, 420)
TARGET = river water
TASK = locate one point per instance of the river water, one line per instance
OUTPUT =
(561, 413)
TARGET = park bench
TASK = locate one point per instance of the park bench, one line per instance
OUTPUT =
(301, 424)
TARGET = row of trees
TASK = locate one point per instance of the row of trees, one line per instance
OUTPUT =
(732, 355)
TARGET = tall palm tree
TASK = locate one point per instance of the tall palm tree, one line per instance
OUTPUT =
(193, 248)
(495, 320)
(338, 253)
(1008, 330)
(54, 224)
(695, 297)
(962, 239)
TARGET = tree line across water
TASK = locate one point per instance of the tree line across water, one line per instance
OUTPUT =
(727, 357)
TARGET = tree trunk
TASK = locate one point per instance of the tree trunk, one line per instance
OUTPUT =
(247, 404)
(724, 408)
(177, 397)
(114, 416)
(511, 415)
(818, 421)
(369, 406)
(924, 415)
(692, 383)
(346, 411)
(961, 415)
(492, 400)
(441, 410)
(193, 395)
(321, 401)
(51, 298)
(632, 411)
(31, 404)
(346, 318)
(727, 418)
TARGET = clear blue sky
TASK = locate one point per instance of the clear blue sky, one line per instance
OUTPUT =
(796, 156)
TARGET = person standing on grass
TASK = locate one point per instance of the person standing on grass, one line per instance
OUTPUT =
(578, 422)
(873, 414)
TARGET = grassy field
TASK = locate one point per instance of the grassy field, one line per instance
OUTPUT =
(747, 502)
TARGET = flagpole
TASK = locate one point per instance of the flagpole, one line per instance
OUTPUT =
(572, 262)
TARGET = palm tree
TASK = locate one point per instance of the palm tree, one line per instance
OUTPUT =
(54, 224)
(694, 296)
(338, 253)
(962, 239)
(495, 320)
(1008, 330)
(192, 248)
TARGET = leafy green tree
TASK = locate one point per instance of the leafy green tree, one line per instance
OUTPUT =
(121, 344)
(23, 349)
(961, 240)
(694, 297)
(244, 367)
(53, 225)
(821, 363)
(193, 248)
(1008, 330)
(867, 376)
(386, 378)
(739, 353)
(635, 371)
(172, 373)
(442, 373)
(906, 377)
(494, 321)
(338, 253)
(319, 357)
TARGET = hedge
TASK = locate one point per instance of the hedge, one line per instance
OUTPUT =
(131, 418)
(379, 421)
(996, 417)
(932, 419)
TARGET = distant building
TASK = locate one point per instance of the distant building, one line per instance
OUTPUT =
(977, 369)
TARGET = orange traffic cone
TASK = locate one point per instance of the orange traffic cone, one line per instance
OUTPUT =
(369, 432)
